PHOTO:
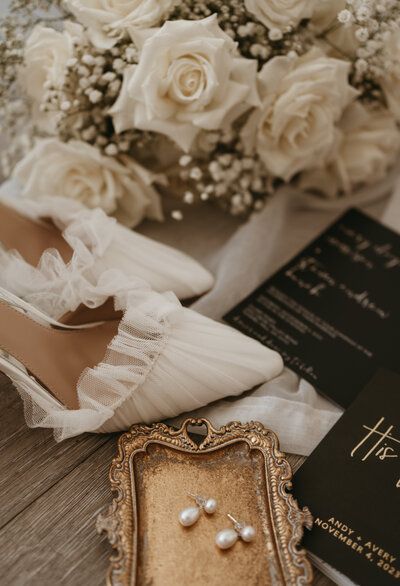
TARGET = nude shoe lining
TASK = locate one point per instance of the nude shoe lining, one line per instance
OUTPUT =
(30, 238)
(55, 357)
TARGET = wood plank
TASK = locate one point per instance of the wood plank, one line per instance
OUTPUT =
(54, 540)
(295, 461)
(321, 580)
(30, 460)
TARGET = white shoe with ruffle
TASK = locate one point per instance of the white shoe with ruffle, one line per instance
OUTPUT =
(158, 361)
(46, 246)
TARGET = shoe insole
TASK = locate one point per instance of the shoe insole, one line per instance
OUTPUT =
(30, 238)
(55, 357)
(86, 315)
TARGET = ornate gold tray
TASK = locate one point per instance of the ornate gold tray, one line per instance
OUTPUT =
(240, 466)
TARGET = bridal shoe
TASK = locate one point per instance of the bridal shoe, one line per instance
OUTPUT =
(159, 360)
(83, 238)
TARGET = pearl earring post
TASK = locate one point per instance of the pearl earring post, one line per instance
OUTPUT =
(234, 521)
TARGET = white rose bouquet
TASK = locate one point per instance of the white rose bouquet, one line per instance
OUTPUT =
(215, 100)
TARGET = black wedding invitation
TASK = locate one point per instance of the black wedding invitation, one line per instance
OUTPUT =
(351, 484)
(333, 312)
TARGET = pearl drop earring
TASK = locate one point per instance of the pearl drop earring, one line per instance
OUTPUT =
(190, 515)
(228, 537)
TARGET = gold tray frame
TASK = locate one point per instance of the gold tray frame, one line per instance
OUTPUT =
(148, 449)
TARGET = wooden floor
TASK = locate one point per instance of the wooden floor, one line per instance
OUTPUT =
(51, 495)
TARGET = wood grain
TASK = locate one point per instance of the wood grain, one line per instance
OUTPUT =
(51, 496)
(32, 460)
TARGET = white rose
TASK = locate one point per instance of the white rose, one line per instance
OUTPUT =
(281, 13)
(45, 56)
(369, 145)
(189, 77)
(79, 171)
(391, 83)
(107, 21)
(302, 99)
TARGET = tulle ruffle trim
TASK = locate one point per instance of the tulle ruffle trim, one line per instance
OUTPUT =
(54, 286)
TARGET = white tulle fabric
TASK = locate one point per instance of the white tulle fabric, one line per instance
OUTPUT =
(53, 286)
(98, 243)
(165, 360)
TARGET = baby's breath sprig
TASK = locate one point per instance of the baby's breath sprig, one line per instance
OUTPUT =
(255, 41)
(92, 83)
(373, 24)
(225, 175)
